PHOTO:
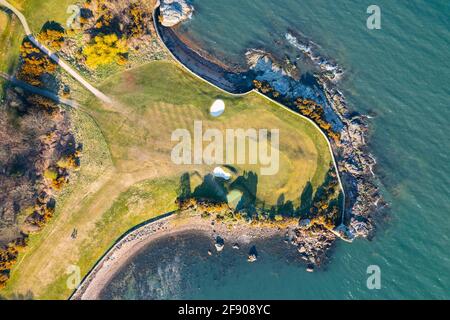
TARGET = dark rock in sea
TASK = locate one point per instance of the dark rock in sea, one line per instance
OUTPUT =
(220, 243)
(236, 246)
(252, 255)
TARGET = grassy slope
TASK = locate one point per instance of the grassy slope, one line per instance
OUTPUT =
(11, 35)
(38, 12)
(101, 204)
(126, 176)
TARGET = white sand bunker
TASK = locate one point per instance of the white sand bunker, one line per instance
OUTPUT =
(217, 108)
(220, 173)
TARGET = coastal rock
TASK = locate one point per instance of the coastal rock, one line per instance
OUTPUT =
(355, 164)
(310, 268)
(313, 243)
(172, 12)
(219, 247)
(267, 69)
(304, 223)
(359, 228)
(330, 69)
(236, 246)
(252, 255)
(220, 243)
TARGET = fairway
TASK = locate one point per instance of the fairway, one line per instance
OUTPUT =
(159, 98)
(127, 175)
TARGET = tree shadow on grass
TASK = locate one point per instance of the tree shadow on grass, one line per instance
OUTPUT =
(306, 200)
(212, 188)
(184, 189)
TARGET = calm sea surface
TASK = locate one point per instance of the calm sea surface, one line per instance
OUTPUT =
(401, 75)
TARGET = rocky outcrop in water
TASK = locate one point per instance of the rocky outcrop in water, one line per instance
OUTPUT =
(252, 254)
(172, 12)
(327, 67)
(313, 243)
(266, 69)
(220, 244)
(356, 166)
(355, 163)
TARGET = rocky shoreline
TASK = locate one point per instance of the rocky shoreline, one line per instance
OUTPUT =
(355, 163)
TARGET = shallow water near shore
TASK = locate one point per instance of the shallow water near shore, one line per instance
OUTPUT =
(179, 266)
(400, 75)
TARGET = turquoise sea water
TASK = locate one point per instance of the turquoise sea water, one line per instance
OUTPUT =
(400, 74)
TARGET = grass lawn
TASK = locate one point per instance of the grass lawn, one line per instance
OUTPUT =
(127, 175)
(158, 98)
(11, 35)
(38, 12)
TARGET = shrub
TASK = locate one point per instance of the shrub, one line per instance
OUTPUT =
(105, 49)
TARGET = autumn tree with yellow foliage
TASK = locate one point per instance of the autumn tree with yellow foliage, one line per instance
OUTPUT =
(52, 35)
(34, 64)
(105, 49)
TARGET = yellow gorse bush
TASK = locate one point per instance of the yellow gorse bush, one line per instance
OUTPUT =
(105, 49)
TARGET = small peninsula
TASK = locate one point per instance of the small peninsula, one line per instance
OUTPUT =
(96, 181)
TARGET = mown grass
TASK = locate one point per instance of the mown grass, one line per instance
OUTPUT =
(139, 203)
(11, 35)
(127, 176)
(159, 98)
(38, 12)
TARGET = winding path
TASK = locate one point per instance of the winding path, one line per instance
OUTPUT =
(53, 55)
(39, 91)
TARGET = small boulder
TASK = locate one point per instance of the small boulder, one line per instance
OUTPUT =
(310, 268)
(252, 255)
(304, 223)
(220, 243)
